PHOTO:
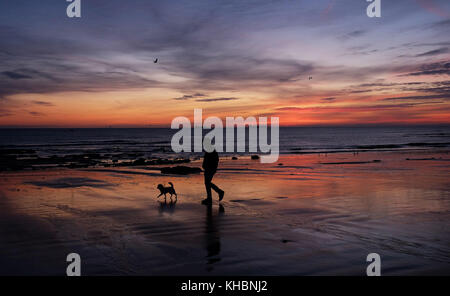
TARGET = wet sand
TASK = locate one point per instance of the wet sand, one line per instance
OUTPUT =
(312, 215)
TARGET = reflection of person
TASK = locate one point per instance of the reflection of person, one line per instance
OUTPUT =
(210, 163)
(212, 236)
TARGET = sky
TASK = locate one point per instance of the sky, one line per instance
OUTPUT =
(228, 57)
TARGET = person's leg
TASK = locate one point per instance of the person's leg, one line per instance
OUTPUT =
(217, 189)
(214, 186)
(208, 186)
(208, 178)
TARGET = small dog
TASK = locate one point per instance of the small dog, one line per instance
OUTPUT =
(165, 190)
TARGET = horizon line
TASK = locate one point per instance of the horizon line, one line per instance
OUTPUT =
(268, 125)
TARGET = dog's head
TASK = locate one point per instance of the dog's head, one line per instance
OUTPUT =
(160, 187)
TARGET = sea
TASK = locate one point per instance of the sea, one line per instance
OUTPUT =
(156, 142)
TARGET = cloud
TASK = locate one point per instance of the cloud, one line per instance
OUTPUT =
(444, 23)
(185, 97)
(328, 99)
(43, 103)
(433, 8)
(428, 97)
(434, 52)
(399, 87)
(441, 87)
(188, 97)
(34, 113)
(353, 34)
(76, 78)
(442, 68)
(229, 71)
(15, 75)
(269, 51)
(197, 46)
(444, 43)
(382, 84)
(216, 99)
(355, 108)
(54, 64)
(5, 112)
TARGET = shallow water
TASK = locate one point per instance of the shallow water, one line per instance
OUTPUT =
(305, 217)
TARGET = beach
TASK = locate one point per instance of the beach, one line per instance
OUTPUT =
(323, 125)
(306, 214)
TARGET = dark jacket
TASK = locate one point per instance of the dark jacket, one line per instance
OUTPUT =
(210, 161)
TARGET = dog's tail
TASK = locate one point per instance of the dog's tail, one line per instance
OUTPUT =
(171, 184)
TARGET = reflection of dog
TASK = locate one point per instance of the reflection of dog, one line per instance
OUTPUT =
(165, 190)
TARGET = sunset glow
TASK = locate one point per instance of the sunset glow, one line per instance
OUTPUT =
(307, 62)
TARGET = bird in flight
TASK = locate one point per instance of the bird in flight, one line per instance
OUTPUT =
(155, 61)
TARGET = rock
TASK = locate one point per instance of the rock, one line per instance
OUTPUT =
(140, 161)
(181, 170)
(168, 161)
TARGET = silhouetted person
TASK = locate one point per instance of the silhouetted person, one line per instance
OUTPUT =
(210, 163)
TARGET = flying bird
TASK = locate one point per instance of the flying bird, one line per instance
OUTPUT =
(155, 61)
